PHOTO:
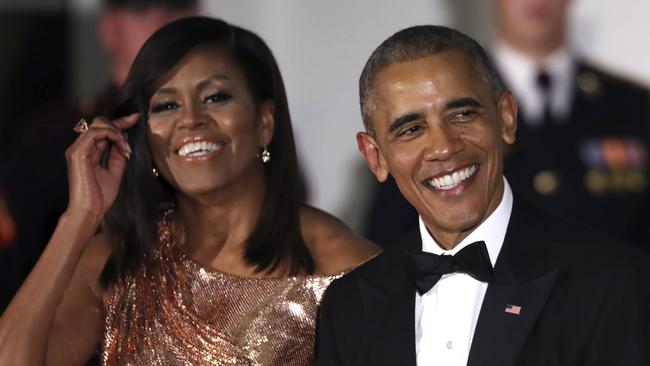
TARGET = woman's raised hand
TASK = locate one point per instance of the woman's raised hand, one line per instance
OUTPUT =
(93, 187)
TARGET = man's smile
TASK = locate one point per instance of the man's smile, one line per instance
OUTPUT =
(452, 180)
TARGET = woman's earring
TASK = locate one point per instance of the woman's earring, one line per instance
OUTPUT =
(266, 155)
(155, 173)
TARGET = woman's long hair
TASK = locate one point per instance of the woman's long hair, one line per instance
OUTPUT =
(132, 221)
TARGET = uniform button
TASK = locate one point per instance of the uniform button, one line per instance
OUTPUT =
(546, 182)
(450, 345)
(596, 182)
(589, 84)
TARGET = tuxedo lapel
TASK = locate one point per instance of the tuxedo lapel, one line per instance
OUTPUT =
(514, 301)
(500, 334)
(388, 297)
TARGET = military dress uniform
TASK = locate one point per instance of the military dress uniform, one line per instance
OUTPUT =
(588, 162)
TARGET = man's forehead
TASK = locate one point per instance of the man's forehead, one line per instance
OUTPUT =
(441, 74)
(442, 64)
(426, 84)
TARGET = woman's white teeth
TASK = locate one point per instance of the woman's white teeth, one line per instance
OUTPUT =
(198, 148)
(450, 181)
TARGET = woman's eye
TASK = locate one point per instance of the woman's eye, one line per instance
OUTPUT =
(218, 97)
(163, 107)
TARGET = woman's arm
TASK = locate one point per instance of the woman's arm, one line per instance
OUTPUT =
(334, 247)
(55, 304)
(56, 301)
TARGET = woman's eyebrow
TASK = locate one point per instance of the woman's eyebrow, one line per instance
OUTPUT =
(204, 83)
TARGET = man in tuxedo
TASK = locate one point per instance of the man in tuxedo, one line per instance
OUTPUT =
(486, 279)
(583, 133)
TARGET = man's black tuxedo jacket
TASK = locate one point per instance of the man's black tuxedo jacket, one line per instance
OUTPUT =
(585, 300)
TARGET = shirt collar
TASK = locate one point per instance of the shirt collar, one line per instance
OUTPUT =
(492, 231)
(518, 66)
(519, 72)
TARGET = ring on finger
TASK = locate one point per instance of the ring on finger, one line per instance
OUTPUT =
(81, 127)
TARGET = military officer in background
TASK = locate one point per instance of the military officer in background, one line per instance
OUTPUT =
(582, 138)
(583, 134)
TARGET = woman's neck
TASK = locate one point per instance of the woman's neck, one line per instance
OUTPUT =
(216, 225)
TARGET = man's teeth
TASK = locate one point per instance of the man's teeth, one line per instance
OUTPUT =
(198, 148)
(452, 180)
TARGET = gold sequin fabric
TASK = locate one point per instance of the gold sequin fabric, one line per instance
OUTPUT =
(174, 311)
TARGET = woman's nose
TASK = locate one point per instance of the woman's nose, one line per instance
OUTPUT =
(191, 116)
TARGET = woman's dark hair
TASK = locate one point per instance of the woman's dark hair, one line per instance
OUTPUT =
(132, 222)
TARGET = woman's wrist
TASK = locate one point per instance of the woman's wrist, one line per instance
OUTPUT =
(81, 217)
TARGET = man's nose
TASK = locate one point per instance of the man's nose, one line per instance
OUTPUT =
(443, 142)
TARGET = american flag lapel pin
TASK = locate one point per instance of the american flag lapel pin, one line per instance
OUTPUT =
(513, 309)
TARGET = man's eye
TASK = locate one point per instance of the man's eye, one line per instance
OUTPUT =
(464, 115)
(218, 97)
(163, 107)
(410, 130)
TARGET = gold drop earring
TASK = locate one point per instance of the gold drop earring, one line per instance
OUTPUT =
(266, 155)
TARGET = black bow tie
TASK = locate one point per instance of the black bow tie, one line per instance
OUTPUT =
(427, 268)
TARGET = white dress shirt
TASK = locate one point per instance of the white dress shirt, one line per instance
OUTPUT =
(445, 317)
(519, 72)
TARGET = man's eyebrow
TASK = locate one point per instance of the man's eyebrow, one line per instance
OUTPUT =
(462, 103)
(402, 120)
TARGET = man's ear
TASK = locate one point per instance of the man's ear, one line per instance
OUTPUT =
(370, 150)
(507, 108)
(267, 122)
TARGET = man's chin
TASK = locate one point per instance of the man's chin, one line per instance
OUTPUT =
(449, 225)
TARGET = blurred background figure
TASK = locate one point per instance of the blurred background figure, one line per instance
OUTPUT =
(583, 133)
(35, 182)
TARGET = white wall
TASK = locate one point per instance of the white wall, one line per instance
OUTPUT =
(615, 35)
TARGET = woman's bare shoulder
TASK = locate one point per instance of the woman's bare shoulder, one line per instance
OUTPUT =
(334, 247)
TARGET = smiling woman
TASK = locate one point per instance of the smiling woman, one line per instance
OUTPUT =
(208, 255)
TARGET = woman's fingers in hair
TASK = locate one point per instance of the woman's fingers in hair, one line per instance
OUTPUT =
(92, 144)
(103, 129)
(127, 122)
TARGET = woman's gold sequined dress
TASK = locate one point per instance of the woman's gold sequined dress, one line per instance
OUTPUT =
(174, 311)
